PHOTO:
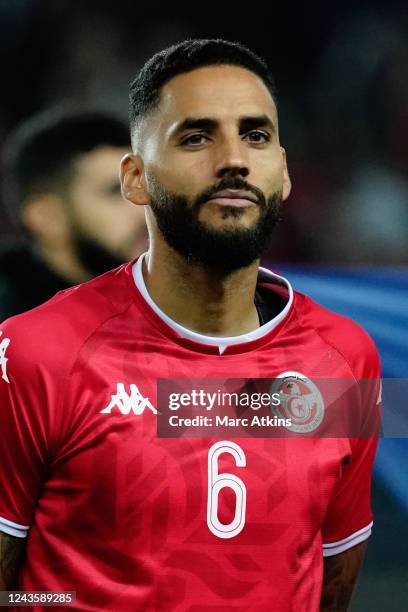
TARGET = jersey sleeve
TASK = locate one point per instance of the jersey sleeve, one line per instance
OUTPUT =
(349, 518)
(24, 427)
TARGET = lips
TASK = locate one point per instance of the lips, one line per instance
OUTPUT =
(234, 197)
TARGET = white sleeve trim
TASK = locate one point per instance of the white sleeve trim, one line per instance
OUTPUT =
(14, 529)
(335, 548)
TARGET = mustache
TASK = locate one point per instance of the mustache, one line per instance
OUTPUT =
(230, 183)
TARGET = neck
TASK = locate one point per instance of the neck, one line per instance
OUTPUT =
(199, 299)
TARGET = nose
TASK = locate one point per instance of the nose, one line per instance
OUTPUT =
(232, 159)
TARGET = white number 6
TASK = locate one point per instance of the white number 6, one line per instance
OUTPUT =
(217, 481)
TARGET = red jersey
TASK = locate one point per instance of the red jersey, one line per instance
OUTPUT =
(127, 519)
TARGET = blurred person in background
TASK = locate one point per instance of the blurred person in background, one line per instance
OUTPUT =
(61, 185)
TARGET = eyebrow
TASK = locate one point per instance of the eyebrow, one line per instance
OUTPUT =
(253, 122)
(195, 123)
(208, 124)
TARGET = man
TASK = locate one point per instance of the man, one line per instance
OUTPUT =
(136, 521)
(61, 185)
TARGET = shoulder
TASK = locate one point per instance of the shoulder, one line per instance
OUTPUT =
(51, 334)
(343, 334)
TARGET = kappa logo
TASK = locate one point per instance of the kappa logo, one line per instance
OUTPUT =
(3, 359)
(128, 402)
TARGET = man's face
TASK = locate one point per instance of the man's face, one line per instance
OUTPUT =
(105, 230)
(215, 172)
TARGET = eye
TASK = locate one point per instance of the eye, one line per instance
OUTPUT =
(194, 140)
(257, 137)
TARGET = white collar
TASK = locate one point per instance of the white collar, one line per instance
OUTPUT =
(221, 342)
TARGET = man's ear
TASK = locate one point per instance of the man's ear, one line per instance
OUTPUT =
(133, 184)
(287, 184)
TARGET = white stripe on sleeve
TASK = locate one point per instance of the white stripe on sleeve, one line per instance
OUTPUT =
(335, 548)
(14, 529)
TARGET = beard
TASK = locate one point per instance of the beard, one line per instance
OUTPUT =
(222, 251)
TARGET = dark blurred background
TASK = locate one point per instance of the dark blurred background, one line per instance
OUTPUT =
(342, 76)
(341, 71)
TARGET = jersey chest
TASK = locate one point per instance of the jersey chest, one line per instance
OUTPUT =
(208, 518)
(208, 490)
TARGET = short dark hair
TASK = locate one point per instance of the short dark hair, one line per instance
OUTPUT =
(184, 57)
(39, 154)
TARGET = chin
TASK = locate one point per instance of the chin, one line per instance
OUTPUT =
(230, 226)
(246, 218)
